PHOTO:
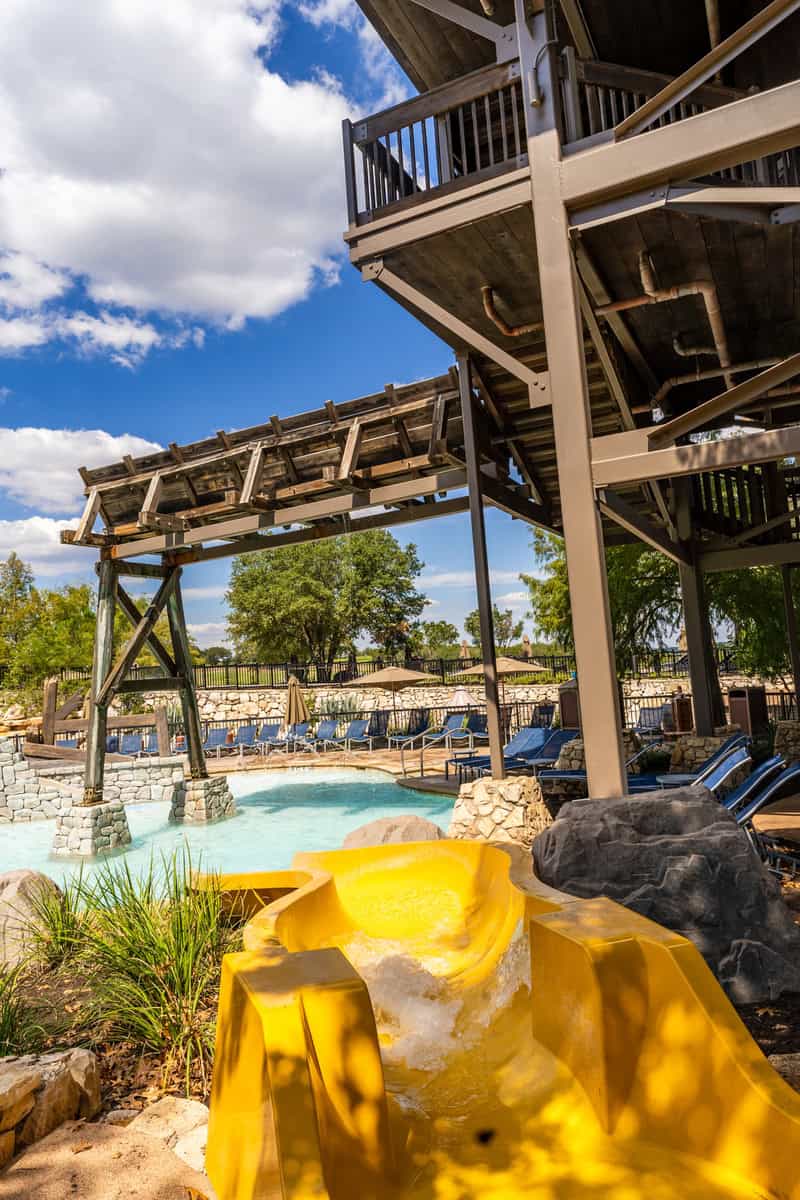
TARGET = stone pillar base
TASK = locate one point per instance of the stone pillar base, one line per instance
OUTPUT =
(500, 810)
(196, 801)
(86, 831)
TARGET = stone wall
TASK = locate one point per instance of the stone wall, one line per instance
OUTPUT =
(27, 794)
(494, 810)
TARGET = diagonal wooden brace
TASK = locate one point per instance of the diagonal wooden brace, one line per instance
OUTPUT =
(136, 641)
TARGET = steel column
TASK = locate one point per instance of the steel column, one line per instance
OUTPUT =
(101, 664)
(703, 675)
(481, 570)
(183, 658)
(791, 629)
(591, 619)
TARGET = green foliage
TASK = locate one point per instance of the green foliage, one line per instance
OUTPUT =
(312, 600)
(20, 1032)
(433, 639)
(55, 928)
(643, 589)
(152, 946)
(752, 602)
(506, 629)
(18, 605)
(217, 655)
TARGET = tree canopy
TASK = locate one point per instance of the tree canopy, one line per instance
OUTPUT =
(313, 600)
(433, 639)
(646, 609)
(506, 629)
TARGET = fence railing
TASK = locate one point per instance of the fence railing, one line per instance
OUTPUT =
(463, 130)
(345, 672)
(474, 127)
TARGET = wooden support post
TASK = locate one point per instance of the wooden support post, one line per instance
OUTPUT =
(162, 733)
(591, 621)
(183, 659)
(101, 664)
(791, 631)
(481, 571)
(703, 675)
(49, 711)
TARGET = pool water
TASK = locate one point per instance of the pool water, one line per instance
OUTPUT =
(279, 813)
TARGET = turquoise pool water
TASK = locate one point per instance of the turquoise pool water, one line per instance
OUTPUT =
(280, 812)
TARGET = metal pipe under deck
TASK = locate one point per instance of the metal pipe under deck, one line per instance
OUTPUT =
(756, 364)
(655, 295)
(487, 296)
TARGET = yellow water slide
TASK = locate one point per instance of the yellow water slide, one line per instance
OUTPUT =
(430, 1021)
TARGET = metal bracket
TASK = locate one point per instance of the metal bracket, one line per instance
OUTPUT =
(372, 270)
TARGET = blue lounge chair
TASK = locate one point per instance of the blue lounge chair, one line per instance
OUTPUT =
(528, 740)
(648, 723)
(355, 734)
(543, 715)
(131, 743)
(112, 743)
(474, 730)
(415, 729)
(217, 740)
(379, 724)
(754, 783)
(454, 723)
(289, 740)
(244, 739)
(326, 732)
(150, 747)
(655, 782)
(267, 733)
(782, 858)
(547, 755)
(72, 744)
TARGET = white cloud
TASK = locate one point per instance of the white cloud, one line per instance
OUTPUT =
(158, 163)
(39, 467)
(206, 591)
(464, 579)
(380, 68)
(209, 633)
(513, 598)
(36, 541)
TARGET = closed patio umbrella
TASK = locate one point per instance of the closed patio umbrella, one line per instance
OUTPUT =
(296, 707)
(505, 666)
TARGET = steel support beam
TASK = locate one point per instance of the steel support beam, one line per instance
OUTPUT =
(750, 556)
(791, 629)
(729, 401)
(756, 205)
(591, 621)
(474, 483)
(101, 664)
(618, 510)
(188, 696)
(537, 382)
(501, 35)
(625, 458)
(754, 127)
(706, 698)
(700, 72)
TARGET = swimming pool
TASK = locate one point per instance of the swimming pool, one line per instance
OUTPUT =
(279, 813)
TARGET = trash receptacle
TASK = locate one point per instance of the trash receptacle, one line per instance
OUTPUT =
(569, 705)
(682, 716)
(748, 709)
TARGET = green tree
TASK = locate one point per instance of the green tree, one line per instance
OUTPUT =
(61, 634)
(751, 602)
(18, 605)
(217, 655)
(506, 629)
(643, 588)
(434, 639)
(312, 601)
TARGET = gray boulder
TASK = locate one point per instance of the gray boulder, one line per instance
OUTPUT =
(405, 828)
(17, 912)
(680, 859)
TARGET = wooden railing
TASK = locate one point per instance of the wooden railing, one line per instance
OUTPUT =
(466, 130)
(474, 128)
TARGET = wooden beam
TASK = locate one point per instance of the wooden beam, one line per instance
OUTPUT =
(133, 646)
(719, 56)
(515, 502)
(760, 125)
(740, 396)
(88, 517)
(162, 733)
(252, 479)
(159, 651)
(49, 710)
(626, 458)
(537, 382)
(65, 753)
(188, 696)
(138, 570)
(76, 700)
(152, 683)
(352, 446)
(617, 509)
(101, 661)
(152, 499)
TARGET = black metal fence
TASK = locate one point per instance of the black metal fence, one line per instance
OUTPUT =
(342, 672)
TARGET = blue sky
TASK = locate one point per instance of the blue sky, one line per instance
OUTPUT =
(170, 216)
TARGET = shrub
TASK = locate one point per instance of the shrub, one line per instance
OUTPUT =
(153, 945)
(20, 1032)
(54, 931)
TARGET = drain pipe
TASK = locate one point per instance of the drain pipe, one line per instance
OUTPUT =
(655, 295)
(487, 295)
(759, 364)
(714, 29)
(691, 351)
(488, 6)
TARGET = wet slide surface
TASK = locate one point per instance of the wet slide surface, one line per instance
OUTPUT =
(429, 1021)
